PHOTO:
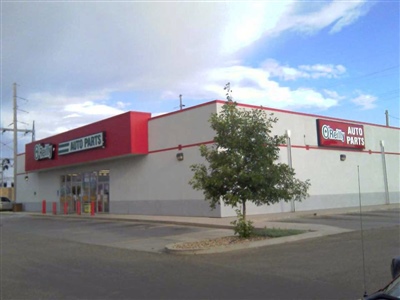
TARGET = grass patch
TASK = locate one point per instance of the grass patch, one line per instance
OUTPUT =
(277, 232)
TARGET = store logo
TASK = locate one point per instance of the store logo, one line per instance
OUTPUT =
(43, 151)
(81, 144)
(330, 134)
(340, 135)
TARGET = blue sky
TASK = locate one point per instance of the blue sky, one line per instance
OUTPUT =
(77, 62)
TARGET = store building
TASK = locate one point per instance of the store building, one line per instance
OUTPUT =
(137, 164)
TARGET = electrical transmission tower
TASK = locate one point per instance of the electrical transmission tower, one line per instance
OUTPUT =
(15, 130)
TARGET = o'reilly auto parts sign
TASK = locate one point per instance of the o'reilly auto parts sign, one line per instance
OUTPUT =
(340, 135)
(84, 143)
(43, 151)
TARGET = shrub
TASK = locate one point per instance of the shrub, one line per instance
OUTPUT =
(242, 228)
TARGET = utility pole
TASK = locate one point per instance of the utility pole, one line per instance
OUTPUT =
(22, 130)
(180, 102)
(387, 117)
(15, 131)
(385, 179)
(15, 139)
(289, 150)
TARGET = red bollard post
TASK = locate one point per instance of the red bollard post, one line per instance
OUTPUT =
(65, 208)
(92, 207)
(44, 207)
(54, 208)
(78, 207)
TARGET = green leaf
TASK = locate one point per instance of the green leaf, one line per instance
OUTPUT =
(242, 164)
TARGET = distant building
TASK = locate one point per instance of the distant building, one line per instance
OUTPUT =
(137, 164)
(7, 192)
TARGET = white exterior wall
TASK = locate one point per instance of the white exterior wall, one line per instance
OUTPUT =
(157, 183)
(45, 185)
(334, 183)
(187, 127)
(27, 190)
(32, 191)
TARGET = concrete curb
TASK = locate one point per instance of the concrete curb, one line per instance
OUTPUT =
(172, 248)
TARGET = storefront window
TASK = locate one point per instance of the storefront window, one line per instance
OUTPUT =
(76, 186)
(85, 188)
(93, 186)
(62, 190)
(103, 191)
(68, 194)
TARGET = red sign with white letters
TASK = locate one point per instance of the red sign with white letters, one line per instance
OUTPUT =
(124, 134)
(340, 135)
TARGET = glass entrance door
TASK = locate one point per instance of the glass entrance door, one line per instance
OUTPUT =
(93, 191)
(76, 190)
(66, 203)
(103, 191)
(86, 192)
(90, 189)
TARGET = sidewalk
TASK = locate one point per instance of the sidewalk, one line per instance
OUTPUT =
(260, 221)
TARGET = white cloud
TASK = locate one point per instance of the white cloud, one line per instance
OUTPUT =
(73, 115)
(337, 14)
(70, 57)
(65, 48)
(304, 97)
(122, 105)
(78, 47)
(253, 86)
(333, 95)
(325, 71)
(303, 71)
(58, 113)
(91, 108)
(349, 14)
(247, 21)
(365, 101)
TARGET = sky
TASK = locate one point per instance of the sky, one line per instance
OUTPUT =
(77, 62)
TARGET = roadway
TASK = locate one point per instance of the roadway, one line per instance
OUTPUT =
(50, 258)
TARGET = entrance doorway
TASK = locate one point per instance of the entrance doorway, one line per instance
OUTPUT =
(103, 191)
(84, 191)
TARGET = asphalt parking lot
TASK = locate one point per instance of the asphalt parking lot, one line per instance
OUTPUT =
(70, 258)
(153, 236)
(141, 236)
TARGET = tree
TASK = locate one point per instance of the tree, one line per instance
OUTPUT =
(242, 163)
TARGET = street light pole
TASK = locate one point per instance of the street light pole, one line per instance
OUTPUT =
(15, 140)
(289, 152)
(385, 179)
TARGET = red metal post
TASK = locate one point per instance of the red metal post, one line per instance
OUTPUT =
(92, 207)
(65, 208)
(54, 208)
(44, 207)
(78, 207)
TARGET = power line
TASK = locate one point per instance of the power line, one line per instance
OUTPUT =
(23, 99)
(388, 98)
(377, 72)
(367, 76)
(394, 117)
(396, 91)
